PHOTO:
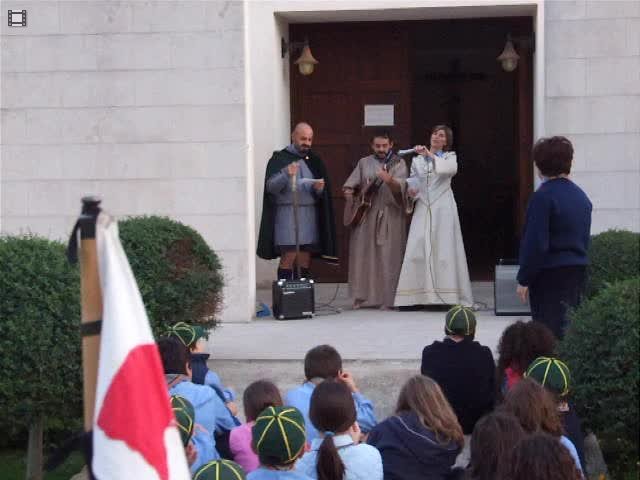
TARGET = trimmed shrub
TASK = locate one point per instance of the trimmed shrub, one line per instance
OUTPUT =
(601, 349)
(39, 338)
(178, 274)
(614, 255)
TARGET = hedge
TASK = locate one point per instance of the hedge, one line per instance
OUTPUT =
(614, 255)
(179, 276)
(601, 349)
(39, 338)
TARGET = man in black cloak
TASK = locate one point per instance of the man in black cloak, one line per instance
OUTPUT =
(315, 209)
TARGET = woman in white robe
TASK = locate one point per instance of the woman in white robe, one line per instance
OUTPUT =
(434, 268)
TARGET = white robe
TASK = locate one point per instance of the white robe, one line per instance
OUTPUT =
(434, 268)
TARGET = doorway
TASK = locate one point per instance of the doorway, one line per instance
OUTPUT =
(432, 72)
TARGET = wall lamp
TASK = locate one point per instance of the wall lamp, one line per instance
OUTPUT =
(306, 63)
(509, 57)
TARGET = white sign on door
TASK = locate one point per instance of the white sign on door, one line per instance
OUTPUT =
(378, 115)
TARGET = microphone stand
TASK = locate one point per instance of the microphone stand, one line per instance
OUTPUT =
(294, 190)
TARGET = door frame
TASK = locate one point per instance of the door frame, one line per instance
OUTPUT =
(266, 74)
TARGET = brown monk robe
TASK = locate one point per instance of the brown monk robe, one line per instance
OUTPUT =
(377, 243)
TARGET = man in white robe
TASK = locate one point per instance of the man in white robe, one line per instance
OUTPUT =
(434, 268)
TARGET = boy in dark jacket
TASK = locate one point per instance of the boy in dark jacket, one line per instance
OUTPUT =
(463, 368)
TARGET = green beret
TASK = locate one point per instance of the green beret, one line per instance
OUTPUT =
(460, 320)
(551, 373)
(278, 435)
(220, 470)
(187, 334)
(185, 416)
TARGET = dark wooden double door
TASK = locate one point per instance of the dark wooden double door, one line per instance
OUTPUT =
(431, 72)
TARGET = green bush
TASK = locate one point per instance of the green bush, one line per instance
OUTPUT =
(39, 338)
(601, 349)
(178, 274)
(614, 255)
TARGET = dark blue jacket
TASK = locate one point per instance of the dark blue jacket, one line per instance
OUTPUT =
(557, 229)
(410, 451)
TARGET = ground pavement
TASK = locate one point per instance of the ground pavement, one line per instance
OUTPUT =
(381, 348)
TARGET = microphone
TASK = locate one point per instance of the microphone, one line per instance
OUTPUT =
(406, 152)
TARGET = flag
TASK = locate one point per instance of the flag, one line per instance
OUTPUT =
(134, 430)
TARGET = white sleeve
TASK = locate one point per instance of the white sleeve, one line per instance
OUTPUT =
(447, 164)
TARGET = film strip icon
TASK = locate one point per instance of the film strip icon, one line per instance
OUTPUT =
(17, 18)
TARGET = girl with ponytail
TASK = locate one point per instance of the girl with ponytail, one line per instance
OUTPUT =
(336, 453)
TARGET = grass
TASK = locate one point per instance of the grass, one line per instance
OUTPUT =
(14, 468)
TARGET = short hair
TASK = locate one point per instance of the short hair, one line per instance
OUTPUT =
(534, 407)
(322, 361)
(541, 457)
(174, 355)
(447, 132)
(492, 441)
(381, 134)
(553, 156)
(258, 396)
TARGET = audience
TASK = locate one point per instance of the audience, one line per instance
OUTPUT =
(278, 438)
(257, 396)
(193, 337)
(520, 344)
(211, 415)
(537, 412)
(423, 438)
(220, 470)
(336, 452)
(554, 375)
(492, 442)
(463, 368)
(321, 363)
(540, 457)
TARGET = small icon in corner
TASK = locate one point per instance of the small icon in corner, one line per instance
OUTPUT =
(17, 18)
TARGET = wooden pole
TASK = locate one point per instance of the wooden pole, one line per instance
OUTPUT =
(91, 299)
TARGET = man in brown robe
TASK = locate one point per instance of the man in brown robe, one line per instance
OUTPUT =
(378, 241)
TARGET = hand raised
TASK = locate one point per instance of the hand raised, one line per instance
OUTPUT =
(412, 192)
(384, 175)
(292, 168)
(420, 149)
(318, 184)
(346, 378)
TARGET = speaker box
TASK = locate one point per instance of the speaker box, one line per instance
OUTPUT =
(293, 299)
(506, 301)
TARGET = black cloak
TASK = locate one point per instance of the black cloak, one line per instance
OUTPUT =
(326, 226)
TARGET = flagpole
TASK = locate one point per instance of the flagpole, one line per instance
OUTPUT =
(91, 301)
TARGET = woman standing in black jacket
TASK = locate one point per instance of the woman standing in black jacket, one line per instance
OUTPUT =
(422, 440)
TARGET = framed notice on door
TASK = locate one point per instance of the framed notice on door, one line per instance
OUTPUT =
(378, 116)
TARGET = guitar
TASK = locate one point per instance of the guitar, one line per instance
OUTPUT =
(364, 199)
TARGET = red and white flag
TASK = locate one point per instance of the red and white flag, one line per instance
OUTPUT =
(134, 431)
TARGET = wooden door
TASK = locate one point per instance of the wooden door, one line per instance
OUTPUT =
(360, 64)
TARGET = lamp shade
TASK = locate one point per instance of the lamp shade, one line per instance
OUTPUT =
(509, 57)
(306, 62)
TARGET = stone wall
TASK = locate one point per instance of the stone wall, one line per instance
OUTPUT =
(593, 97)
(140, 102)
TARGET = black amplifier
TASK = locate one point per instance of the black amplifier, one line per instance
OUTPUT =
(293, 299)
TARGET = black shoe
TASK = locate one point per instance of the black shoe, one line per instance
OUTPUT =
(285, 274)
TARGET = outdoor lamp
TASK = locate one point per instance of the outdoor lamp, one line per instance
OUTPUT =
(306, 62)
(509, 57)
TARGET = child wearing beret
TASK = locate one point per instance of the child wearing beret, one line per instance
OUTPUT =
(220, 470)
(185, 420)
(193, 337)
(279, 439)
(554, 375)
